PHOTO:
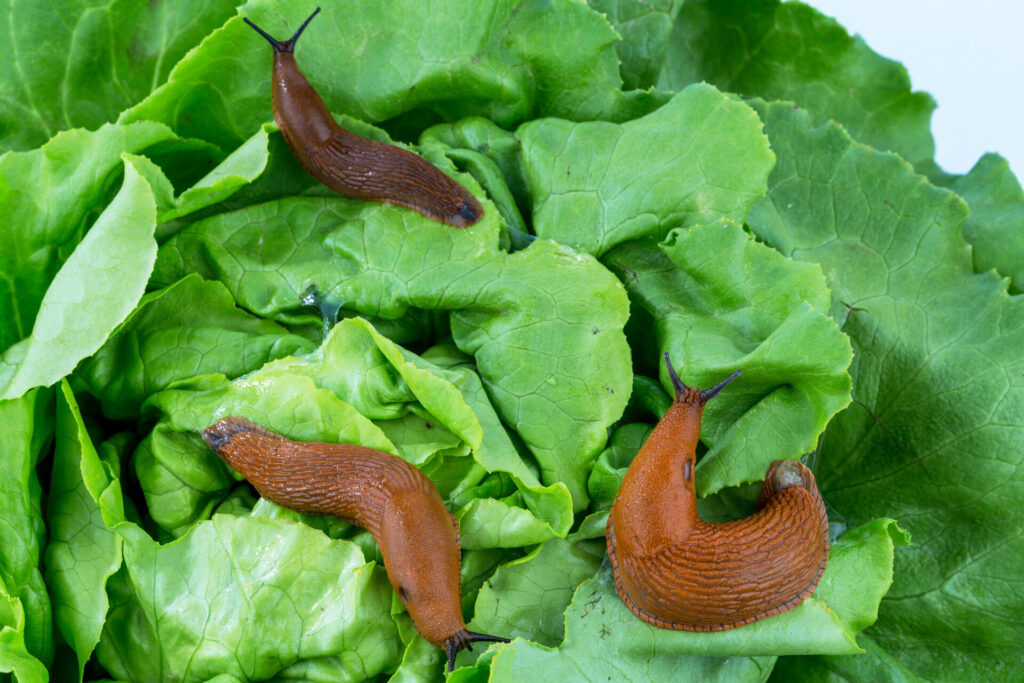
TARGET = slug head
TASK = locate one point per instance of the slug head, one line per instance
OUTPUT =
(462, 639)
(287, 45)
(697, 397)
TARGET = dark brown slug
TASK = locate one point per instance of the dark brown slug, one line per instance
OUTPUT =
(351, 164)
(385, 495)
(676, 571)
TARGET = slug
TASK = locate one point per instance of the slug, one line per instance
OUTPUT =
(676, 571)
(351, 164)
(385, 495)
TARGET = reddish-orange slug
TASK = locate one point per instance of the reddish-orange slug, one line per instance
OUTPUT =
(385, 495)
(676, 571)
(351, 164)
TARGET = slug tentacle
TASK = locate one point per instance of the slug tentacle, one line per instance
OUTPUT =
(463, 639)
(392, 499)
(288, 45)
(351, 164)
(674, 570)
(685, 393)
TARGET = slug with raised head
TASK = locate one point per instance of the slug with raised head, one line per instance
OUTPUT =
(385, 495)
(351, 164)
(674, 570)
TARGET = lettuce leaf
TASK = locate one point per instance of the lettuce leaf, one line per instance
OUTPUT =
(534, 320)
(78, 170)
(179, 265)
(596, 184)
(26, 619)
(107, 59)
(930, 437)
(790, 51)
(447, 61)
(717, 301)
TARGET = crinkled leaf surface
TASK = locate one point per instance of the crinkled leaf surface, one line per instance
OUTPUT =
(377, 61)
(190, 328)
(78, 63)
(93, 292)
(789, 51)
(26, 622)
(382, 380)
(933, 435)
(995, 227)
(248, 597)
(645, 27)
(593, 185)
(717, 301)
(356, 369)
(528, 597)
(544, 324)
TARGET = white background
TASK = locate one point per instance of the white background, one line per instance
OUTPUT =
(968, 55)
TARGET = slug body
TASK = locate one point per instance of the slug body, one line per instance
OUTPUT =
(351, 164)
(676, 571)
(385, 495)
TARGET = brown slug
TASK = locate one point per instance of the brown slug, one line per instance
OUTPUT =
(351, 164)
(676, 571)
(385, 495)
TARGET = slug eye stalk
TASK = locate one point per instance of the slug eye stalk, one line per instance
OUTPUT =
(288, 45)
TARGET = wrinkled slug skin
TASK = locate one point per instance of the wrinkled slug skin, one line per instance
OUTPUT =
(351, 164)
(385, 495)
(392, 499)
(676, 571)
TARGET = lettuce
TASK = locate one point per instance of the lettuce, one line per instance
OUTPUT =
(740, 184)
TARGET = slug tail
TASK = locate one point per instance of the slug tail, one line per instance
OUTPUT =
(287, 45)
(463, 639)
(688, 394)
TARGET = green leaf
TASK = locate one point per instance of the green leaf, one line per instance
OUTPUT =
(236, 171)
(874, 665)
(95, 289)
(56, 192)
(377, 62)
(718, 301)
(932, 437)
(499, 145)
(189, 328)
(594, 185)
(246, 597)
(789, 51)
(14, 656)
(76, 64)
(544, 324)
(26, 620)
(645, 27)
(85, 502)
(528, 597)
(995, 227)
